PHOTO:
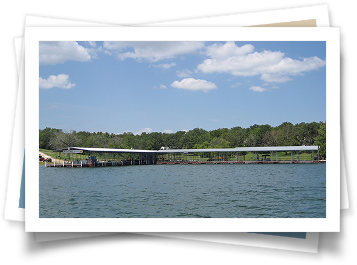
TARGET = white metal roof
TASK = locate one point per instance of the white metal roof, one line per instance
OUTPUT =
(112, 150)
(237, 149)
(244, 149)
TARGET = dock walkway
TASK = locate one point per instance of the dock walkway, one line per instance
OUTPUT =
(108, 164)
(242, 162)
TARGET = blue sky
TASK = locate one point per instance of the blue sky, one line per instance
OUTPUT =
(133, 87)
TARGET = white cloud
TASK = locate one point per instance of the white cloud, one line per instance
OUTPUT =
(164, 65)
(56, 52)
(92, 43)
(229, 49)
(273, 66)
(152, 51)
(60, 81)
(168, 131)
(183, 73)
(194, 84)
(275, 78)
(258, 89)
(160, 87)
(290, 66)
(246, 65)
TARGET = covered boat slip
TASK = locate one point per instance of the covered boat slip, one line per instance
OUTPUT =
(241, 155)
(94, 157)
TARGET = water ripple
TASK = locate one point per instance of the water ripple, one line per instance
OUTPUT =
(184, 191)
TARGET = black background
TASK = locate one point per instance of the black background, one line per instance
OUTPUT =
(135, 248)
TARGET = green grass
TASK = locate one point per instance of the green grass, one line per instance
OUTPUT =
(48, 152)
(63, 156)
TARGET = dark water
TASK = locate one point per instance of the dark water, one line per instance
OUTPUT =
(184, 191)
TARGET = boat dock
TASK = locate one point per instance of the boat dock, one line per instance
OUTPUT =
(73, 164)
(100, 157)
(241, 162)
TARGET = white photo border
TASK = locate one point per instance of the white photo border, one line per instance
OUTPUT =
(35, 224)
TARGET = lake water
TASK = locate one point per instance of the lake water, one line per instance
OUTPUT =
(184, 191)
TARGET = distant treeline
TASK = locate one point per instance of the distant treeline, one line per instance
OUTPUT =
(286, 134)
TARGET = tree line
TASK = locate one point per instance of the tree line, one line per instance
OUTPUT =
(286, 134)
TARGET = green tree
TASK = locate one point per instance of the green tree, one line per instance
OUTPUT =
(204, 145)
(256, 135)
(192, 137)
(286, 135)
(218, 132)
(219, 143)
(320, 139)
(60, 140)
(269, 138)
(45, 136)
(155, 140)
(177, 139)
(149, 145)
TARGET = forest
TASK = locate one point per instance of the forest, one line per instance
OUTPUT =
(286, 134)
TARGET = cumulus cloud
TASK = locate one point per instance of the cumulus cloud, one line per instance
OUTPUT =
(60, 81)
(273, 66)
(168, 131)
(92, 43)
(57, 52)
(257, 89)
(163, 86)
(229, 49)
(152, 51)
(246, 65)
(194, 84)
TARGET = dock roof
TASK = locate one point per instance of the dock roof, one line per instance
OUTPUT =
(244, 149)
(236, 149)
(112, 150)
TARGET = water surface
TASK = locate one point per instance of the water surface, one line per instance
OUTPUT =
(184, 191)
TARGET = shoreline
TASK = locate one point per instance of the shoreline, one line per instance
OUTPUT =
(47, 156)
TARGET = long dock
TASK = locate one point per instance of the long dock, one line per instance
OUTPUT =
(241, 162)
(108, 164)
(99, 164)
(88, 157)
